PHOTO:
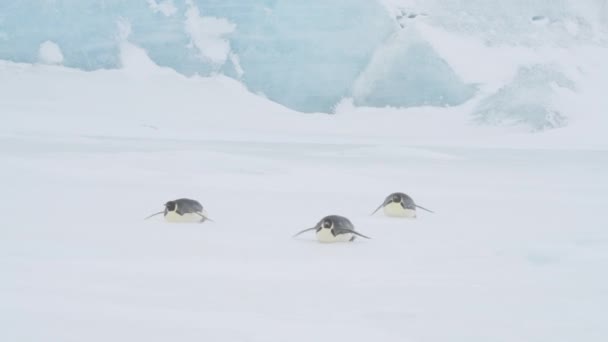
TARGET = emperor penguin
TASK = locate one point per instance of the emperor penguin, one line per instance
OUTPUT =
(183, 210)
(399, 204)
(334, 228)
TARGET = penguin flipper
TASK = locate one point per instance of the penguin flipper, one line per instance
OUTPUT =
(345, 231)
(305, 230)
(158, 213)
(430, 211)
(204, 218)
(381, 205)
(361, 235)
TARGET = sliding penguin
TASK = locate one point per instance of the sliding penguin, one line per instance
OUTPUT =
(334, 228)
(399, 204)
(183, 210)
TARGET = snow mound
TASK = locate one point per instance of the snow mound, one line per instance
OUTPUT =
(408, 72)
(528, 99)
(50, 53)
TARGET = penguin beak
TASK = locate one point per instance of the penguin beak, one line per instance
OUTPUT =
(158, 213)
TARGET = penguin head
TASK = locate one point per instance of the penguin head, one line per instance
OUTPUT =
(327, 224)
(396, 198)
(171, 206)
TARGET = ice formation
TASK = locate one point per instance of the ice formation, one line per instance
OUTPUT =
(311, 55)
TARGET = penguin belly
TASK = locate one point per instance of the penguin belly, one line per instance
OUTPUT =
(325, 236)
(174, 217)
(396, 210)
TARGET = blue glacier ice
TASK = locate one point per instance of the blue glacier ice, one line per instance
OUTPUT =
(309, 55)
(304, 54)
(528, 98)
(408, 72)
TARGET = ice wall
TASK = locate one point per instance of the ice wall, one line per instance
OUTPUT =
(304, 54)
(309, 55)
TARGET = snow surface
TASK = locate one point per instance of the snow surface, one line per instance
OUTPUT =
(516, 251)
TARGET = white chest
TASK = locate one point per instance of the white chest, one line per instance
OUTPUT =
(174, 217)
(325, 235)
(396, 210)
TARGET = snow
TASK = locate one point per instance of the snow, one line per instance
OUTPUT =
(408, 72)
(491, 115)
(166, 7)
(50, 53)
(529, 98)
(514, 251)
(207, 34)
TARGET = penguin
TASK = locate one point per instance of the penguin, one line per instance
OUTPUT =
(183, 210)
(399, 204)
(334, 228)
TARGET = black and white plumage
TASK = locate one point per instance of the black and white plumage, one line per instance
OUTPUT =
(399, 204)
(183, 210)
(334, 228)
